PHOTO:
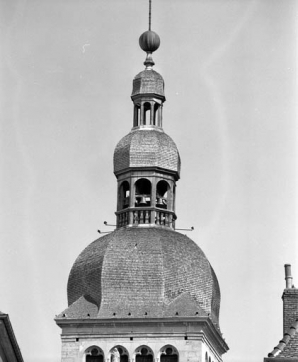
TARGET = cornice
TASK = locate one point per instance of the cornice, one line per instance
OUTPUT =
(208, 329)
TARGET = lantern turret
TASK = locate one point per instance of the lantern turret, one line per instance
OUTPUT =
(147, 161)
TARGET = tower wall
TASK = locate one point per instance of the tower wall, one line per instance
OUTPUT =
(192, 342)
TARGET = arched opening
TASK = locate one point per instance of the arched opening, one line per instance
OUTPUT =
(155, 115)
(169, 354)
(118, 354)
(136, 116)
(124, 195)
(142, 193)
(162, 189)
(146, 113)
(174, 197)
(206, 357)
(160, 116)
(144, 354)
(94, 354)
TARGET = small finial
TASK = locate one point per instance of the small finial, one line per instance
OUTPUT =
(149, 42)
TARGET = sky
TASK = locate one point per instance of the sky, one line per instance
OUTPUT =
(230, 71)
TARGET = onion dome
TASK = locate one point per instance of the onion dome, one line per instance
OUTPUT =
(143, 272)
(146, 148)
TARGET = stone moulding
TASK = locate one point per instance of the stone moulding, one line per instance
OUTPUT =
(196, 328)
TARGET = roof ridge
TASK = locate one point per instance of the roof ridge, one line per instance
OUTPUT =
(285, 340)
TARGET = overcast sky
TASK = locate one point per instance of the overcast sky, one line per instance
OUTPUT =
(230, 69)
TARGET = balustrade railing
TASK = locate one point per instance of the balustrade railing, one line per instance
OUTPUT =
(122, 219)
(147, 215)
(141, 217)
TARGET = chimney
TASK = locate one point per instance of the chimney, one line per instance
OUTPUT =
(288, 276)
(290, 301)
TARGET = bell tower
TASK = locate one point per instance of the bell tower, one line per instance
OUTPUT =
(146, 161)
(143, 292)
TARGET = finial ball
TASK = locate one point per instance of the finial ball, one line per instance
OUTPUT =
(149, 41)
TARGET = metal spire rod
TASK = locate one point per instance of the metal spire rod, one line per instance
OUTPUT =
(191, 229)
(149, 14)
(103, 232)
(106, 224)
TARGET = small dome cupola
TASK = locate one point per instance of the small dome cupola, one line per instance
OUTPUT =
(148, 98)
(148, 86)
(148, 82)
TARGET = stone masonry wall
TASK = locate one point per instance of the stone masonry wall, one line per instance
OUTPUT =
(290, 307)
(189, 351)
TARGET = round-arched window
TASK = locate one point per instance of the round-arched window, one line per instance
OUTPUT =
(124, 195)
(94, 354)
(162, 189)
(142, 193)
(146, 113)
(118, 354)
(136, 119)
(169, 354)
(156, 121)
(144, 354)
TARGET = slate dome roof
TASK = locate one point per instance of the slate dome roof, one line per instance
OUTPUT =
(138, 272)
(148, 81)
(147, 148)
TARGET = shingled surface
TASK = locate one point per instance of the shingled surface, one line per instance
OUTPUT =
(288, 345)
(146, 148)
(148, 81)
(10, 349)
(138, 272)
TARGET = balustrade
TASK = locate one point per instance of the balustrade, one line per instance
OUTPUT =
(146, 215)
(141, 217)
(122, 219)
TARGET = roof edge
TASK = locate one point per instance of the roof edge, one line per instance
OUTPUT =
(213, 332)
(12, 337)
(280, 359)
(284, 341)
(176, 174)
